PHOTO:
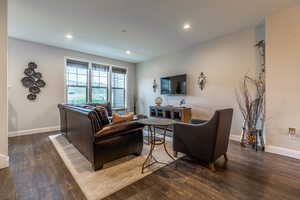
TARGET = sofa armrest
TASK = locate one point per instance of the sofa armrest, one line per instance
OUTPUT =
(198, 121)
(118, 128)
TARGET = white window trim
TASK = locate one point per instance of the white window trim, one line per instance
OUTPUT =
(90, 62)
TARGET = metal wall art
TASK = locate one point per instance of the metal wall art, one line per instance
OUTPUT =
(33, 81)
(202, 81)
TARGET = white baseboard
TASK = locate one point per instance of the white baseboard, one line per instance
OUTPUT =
(283, 151)
(33, 131)
(274, 149)
(235, 138)
(4, 161)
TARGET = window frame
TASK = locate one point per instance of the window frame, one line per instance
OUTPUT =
(125, 87)
(78, 86)
(89, 85)
(90, 82)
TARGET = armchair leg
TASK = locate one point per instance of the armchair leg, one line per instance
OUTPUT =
(137, 154)
(211, 166)
(98, 167)
(175, 153)
(225, 156)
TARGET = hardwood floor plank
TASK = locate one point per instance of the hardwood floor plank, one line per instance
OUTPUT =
(37, 172)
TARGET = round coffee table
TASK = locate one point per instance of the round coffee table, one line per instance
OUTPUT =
(152, 123)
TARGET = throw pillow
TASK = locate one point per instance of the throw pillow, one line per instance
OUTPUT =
(121, 118)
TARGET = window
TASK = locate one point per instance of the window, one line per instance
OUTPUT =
(77, 82)
(99, 83)
(118, 87)
(92, 82)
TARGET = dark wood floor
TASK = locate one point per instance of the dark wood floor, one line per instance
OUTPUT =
(37, 172)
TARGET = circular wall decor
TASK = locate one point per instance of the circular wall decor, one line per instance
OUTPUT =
(28, 82)
(37, 75)
(40, 83)
(33, 81)
(31, 97)
(29, 71)
(32, 65)
(34, 90)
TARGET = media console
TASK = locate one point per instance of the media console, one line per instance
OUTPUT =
(182, 114)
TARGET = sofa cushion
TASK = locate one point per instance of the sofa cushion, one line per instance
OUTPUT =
(103, 114)
(105, 105)
(94, 117)
(116, 128)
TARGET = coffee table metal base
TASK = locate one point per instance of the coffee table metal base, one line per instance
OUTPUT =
(155, 141)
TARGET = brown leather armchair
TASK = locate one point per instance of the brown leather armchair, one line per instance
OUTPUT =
(204, 140)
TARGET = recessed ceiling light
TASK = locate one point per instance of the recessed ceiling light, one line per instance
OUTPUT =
(69, 36)
(186, 26)
(128, 52)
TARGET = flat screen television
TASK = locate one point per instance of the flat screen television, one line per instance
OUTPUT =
(173, 85)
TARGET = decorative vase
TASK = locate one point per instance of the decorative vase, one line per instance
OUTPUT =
(253, 138)
(249, 137)
(158, 101)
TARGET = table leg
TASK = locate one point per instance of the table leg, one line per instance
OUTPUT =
(149, 132)
(148, 135)
(164, 141)
(152, 142)
(152, 145)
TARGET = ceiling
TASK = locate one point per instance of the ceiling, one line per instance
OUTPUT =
(154, 27)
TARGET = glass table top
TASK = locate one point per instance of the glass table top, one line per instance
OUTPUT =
(157, 122)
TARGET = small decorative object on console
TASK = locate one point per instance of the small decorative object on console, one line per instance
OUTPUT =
(158, 101)
(202, 80)
(182, 103)
(33, 81)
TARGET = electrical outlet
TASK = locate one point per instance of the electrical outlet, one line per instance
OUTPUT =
(292, 133)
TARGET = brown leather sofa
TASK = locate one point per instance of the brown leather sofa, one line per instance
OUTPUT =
(82, 125)
(92, 106)
(204, 140)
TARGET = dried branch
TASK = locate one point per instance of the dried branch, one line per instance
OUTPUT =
(250, 98)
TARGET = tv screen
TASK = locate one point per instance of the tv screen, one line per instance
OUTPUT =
(173, 85)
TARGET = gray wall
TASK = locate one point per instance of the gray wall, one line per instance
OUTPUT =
(3, 85)
(43, 113)
(224, 61)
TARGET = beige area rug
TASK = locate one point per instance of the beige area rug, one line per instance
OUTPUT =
(114, 176)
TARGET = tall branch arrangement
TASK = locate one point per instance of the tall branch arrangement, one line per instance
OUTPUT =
(251, 100)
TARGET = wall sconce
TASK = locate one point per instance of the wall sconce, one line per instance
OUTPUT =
(202, 81)
(154, 85)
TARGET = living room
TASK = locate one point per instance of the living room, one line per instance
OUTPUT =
(149, 100)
